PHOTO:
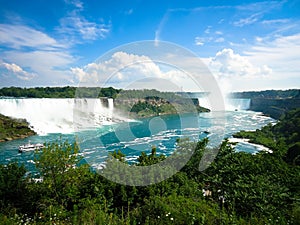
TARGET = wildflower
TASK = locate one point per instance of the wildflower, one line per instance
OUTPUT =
(171, 218)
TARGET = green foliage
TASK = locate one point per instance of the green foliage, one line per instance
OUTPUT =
(11, 129)
(118, 155)
(59, 92)
(277, 94)
(12, 186)
(241, 188)
(282, 137)
(147, 160)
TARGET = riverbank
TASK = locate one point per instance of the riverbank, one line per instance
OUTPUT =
(11, 129)
(247, 141)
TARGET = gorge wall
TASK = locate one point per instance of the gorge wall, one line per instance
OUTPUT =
(274, 107)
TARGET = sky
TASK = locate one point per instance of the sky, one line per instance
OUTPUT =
(245, 45)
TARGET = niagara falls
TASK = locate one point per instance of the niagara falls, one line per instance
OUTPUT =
(149, 112)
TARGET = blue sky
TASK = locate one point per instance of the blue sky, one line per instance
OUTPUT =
(247, 45)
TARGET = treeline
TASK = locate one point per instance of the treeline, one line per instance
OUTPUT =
(94, 92)
(236, 188)
(148, 94)
(273, 94)
(59, 92)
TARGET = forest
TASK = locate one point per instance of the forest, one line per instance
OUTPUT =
(236, 188)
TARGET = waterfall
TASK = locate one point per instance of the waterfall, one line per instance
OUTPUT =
(110, 104)
(47, 115)
(232, 104)
(204, 102)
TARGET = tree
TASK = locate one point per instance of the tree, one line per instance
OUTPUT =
(12, 185)
(58, 167)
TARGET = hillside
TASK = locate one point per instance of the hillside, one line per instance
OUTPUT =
(11, 129)
(283, 136)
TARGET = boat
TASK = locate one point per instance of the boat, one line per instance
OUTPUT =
(30, 147)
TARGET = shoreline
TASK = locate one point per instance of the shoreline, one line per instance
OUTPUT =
(247, 141)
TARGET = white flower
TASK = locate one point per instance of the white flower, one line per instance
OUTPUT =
(171, 218)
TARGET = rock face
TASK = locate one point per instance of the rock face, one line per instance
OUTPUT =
(155, 106)
(274, 107)
(11, 129)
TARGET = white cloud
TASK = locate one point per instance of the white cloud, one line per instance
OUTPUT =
(281, 53)
(275, 22)
(18, 36)
(229, 64)
(45, 57)
(129, 12)
(124, 69)
(219, 40)
(76, 27)
(207, 30)
(247, 21)
(76, 3)
(199, 41)
(17, 70)
(50, 67)
(79, 27)
(121, 67)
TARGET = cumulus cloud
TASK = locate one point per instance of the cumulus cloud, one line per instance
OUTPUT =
(281, 53)
(124, 68)
(121, 66)
(17, 70)
(229, 64)
(46, 58)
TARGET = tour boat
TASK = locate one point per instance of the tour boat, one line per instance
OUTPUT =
(30, 147)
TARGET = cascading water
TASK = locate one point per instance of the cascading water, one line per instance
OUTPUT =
(232, 104)
(204, 102)
(58, 115)
(110, 105)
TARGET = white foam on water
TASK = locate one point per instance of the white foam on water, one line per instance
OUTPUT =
(49, 115)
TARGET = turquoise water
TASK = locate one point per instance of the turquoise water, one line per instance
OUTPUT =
(134, 137)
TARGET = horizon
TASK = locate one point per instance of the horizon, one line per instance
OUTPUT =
(246, 46)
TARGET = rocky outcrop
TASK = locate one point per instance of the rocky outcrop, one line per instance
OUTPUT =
(11, 129)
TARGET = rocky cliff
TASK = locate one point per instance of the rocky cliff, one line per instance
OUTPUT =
(274, 107)
(11, 129)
